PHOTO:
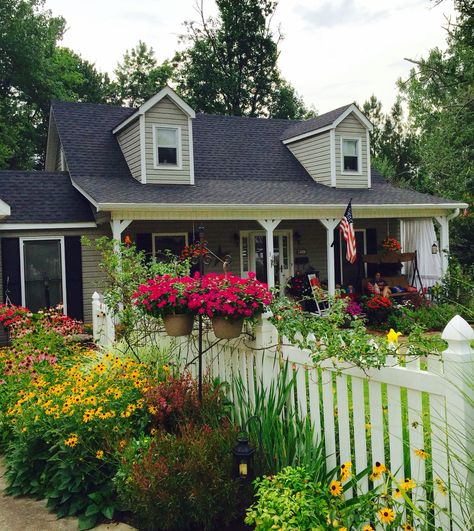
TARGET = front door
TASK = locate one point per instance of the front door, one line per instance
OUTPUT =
(351, 273)
(253, 250)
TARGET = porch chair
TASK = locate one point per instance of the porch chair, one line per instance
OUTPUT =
(319, 295)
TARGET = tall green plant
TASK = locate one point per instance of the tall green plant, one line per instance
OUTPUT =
(282, 437)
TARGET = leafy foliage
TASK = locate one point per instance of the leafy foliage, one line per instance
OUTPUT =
(230, 64)
(139, 76)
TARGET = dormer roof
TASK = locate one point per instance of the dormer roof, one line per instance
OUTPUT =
(163, 93)
(323, 122)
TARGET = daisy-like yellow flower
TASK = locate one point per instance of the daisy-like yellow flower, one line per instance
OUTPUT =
(335, 488)
(441, 486)
(377, 470)
(407, 484)
(343, 529)
(153, 431)
(397, 493)
(408, 527)
(367, 527)
(71, 440)
(346, 470)
(99, 454)
(421, 453)
(88, 415)
(392, 336)
(386, 515)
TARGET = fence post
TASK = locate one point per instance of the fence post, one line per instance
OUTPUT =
(458, 361)
(96, 316)
(103, 328)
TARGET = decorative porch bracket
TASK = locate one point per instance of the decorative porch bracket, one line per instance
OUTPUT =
(444, 241)
(330, 224)
(118, 226)
(270, 225)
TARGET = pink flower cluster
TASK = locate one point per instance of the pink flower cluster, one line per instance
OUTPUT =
(165, 295)
(231, 296)
(21, 321)
(212, 295)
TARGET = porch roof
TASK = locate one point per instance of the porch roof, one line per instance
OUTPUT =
(37, 197)
(238, 161)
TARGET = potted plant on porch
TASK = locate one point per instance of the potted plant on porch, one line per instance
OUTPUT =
(168, 297)
(229, 299)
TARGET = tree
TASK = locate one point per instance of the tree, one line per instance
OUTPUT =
(230, 64)
(33, 71)
(440, 97)
(139, 76)
(393, 142)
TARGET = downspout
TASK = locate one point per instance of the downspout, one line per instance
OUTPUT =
(453, 214)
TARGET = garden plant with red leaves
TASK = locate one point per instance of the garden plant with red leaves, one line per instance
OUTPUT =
(175, 402)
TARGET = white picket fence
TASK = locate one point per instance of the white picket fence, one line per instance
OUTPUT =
(379, 415)
(103, 326)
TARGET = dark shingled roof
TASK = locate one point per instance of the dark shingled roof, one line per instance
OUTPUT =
(237, 160)
(300, 128)
(42, 197)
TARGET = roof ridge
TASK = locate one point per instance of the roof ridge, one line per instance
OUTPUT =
(90, 103)
(262, 118)
(35, 172)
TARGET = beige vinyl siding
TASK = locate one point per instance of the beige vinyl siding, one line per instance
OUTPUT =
(350, 127)
(129, 141)
(165, 112)
(314, 154)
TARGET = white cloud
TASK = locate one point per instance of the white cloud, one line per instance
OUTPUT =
(334, 51)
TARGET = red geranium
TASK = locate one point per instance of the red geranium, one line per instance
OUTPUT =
(377, 302)
(391, 244)
(193, 250)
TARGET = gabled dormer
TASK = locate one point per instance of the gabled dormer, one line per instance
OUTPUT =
(157, 140)
(334, 148)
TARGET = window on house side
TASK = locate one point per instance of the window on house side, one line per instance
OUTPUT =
(167, 146)
(350, 154)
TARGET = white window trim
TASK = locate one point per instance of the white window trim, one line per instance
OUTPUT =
(63, 266)
(159, 234)
(359, 155)
(179, 158)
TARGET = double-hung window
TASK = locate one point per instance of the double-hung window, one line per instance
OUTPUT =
(351, 157)
(42, 272)
(167, 146)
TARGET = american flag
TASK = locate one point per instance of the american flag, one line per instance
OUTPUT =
(346, 226)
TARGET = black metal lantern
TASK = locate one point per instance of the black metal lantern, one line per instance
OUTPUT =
(434, 248)
(243, 458)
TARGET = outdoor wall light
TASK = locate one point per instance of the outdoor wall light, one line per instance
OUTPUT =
(243, 458)
(434, 248)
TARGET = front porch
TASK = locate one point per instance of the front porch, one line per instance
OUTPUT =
(300, 245)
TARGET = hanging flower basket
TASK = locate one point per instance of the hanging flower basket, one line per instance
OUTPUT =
(179, 324)
(225, 328)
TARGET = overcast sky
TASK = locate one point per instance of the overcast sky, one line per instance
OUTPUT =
(334, 51)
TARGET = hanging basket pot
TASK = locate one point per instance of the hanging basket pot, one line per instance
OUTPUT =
(180, 324)
(227, 328)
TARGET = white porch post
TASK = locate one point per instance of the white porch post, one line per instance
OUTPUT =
(118, 226)
(330, 224)
(270, 225)
(444, 241)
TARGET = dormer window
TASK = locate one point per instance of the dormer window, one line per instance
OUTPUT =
(351, 155)
(167, 142)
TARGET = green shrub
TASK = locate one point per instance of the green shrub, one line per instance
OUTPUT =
(429, 317)
(181, 480)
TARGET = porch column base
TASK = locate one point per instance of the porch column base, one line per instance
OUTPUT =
(330, 224)
(270, 225)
